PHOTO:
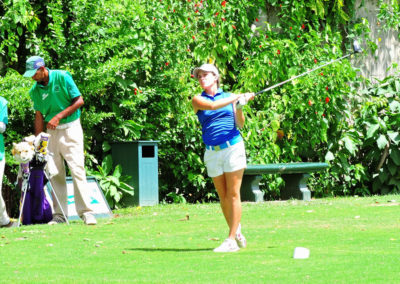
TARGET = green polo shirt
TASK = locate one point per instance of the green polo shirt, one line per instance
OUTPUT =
(56, 96)
(3, 118)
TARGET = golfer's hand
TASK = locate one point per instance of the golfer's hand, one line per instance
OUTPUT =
(249, 96)
(243, 99)
(53, 123)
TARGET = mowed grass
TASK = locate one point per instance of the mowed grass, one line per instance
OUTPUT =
(351, 240)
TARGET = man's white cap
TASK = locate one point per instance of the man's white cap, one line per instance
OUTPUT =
(206, 68)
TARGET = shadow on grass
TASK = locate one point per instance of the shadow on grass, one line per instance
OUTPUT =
(170, 249)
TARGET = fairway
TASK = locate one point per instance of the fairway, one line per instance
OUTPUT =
(351, 240)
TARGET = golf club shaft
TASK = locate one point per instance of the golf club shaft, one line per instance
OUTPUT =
(303, 74)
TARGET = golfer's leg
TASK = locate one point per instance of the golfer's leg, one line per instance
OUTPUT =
(233, 202)
(58, 181)
(4, 219)
(220, 186)
(74, 156)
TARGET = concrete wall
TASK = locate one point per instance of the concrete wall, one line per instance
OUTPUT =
(374, 66)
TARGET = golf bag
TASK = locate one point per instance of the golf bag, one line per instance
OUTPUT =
(35, 207)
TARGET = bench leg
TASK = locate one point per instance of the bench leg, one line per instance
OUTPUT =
(296, 187)
(250, 190)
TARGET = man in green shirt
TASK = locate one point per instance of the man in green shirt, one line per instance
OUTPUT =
(57, 102)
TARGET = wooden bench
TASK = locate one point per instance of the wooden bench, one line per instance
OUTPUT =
(295, 176)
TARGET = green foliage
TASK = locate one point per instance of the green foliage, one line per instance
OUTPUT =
(389, 14)
(113, 183)
(380, 123)
(15, 89)
(132, 61)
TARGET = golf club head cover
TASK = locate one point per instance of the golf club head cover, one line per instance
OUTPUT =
(41, 143)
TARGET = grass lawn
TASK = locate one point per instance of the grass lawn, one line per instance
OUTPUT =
(351, 240)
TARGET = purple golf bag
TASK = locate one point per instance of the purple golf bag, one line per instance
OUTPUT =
(35, 207)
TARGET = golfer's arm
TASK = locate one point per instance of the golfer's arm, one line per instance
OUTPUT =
(76, 104)
(39, 123)
(239, 117)
(199, 103)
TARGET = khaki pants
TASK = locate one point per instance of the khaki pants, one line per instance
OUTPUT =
(67, 144)
(4, 219)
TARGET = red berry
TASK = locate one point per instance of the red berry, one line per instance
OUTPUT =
(290, 28)
(193, 37)
(327, 88)
(278, 52)
(256, 19)
(191, 75)
(223, 19)
(166, 63)
(310, 103)
(216, 14)
(234, 27)
(327, 99)
(315, 61)
(223, 3)
(303, 26)
(322, 74)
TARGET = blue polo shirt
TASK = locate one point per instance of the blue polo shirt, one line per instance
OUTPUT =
(218, 126)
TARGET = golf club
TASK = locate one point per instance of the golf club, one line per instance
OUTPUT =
(356, 49)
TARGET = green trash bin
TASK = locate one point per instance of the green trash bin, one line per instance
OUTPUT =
(139, 159)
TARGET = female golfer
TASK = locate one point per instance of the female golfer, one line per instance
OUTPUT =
(225, 156)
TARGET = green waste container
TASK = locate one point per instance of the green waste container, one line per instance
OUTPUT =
(139, 159)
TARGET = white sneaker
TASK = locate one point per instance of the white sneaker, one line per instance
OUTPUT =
(228, 245)
(241, 240)
(89, 218)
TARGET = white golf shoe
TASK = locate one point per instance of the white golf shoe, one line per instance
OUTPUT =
(240, 239)
(228, 245)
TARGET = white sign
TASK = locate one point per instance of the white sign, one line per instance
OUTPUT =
(98, 203)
